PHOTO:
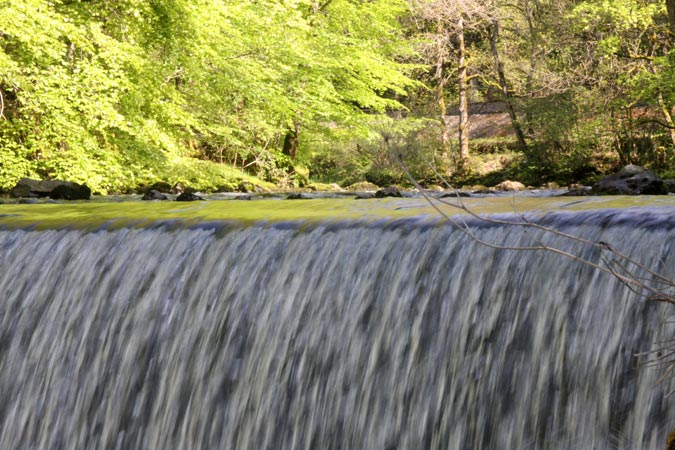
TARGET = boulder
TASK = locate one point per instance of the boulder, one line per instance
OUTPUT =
(154, 194)
(55, 189)
(391, 191)
(298, 196)
(631, 180)
(70, 191)
(670, 185)
(25, 188)
(160, 186)
(454, 194)
(247, 186)
(364, 195)
(362, 186)
(509, 185)
(178, 188)
(188, 197)
(551, 186)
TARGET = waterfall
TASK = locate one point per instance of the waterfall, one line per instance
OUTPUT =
(351, 335)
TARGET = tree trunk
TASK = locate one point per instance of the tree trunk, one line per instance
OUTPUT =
(668, 118)
(670, 7)
(442, 162)
(665, 110)
(463, 129)
(534, 57)
(291, 141)
(515, 123)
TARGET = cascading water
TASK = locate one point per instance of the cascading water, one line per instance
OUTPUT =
(388, 335)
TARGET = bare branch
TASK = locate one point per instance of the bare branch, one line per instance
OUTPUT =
(2, 106)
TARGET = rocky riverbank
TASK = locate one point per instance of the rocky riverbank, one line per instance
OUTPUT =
(630, 180)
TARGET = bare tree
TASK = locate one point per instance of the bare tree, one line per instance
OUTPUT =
(451, 20)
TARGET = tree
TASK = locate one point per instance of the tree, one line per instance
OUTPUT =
(449, 21)
(109, 93)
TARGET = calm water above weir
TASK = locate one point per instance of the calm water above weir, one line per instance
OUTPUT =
(222, 331)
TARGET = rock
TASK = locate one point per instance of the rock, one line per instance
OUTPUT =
(55, 189)
(188, 197)
(509, 185)
(161, 186)
(298, 196)
(246, 186)
(178, 188)
(243, 197)
(364, 195)
(551, 186)
(362, 186)
(29, 201)
(631, 180)
(484, 191)
(391, 191)
(670, 185)
(71, 191)
(576, 192)
(25, 187)
(454, 194)
(154, 194)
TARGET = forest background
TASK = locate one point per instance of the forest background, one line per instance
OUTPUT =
(225, 95)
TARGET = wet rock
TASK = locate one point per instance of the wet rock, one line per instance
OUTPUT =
(188, 197)
(298, 196)
(454, 194)
(26, 187)
(153, 194)
(160, 186)
(364, 195)
(55, 189)
(29, 201)
(391, 191)
(576, 192)
(484, 192)
(509, 185)
(70, 191)
(631, 180)
(670, 185)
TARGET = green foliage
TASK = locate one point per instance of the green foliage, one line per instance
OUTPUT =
(122, 94)
(111, 93)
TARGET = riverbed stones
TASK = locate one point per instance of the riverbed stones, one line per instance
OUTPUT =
(364, 195)
(154, 194)
(391, 191)
(631, 180)
(509, 186)
(160, 186)
(298, 196)
(454, 194)
(55, 189)
(188, 197)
